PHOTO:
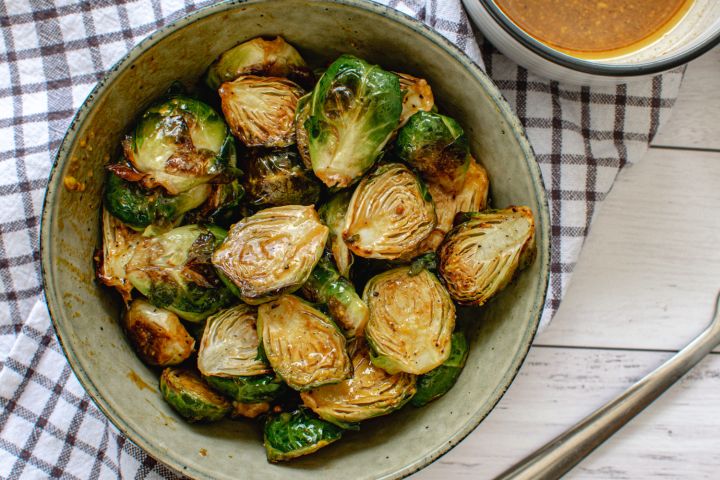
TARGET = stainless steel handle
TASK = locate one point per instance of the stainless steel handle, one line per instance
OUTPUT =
(564, 452)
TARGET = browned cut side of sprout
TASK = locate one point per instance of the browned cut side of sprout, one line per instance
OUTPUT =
(389, 214)
(261, 110)
(304, 347)
(417, 95)
(411, 321)
(272, 252)
(481, 255)
(119, 242)
(301, 136)
(157, 334)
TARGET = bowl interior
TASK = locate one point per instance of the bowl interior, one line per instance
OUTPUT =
(86, 316)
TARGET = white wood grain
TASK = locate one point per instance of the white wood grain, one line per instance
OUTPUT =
(676, 437)
(694, 120)
(650, 269)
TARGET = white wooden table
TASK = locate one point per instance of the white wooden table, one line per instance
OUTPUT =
(644, 285)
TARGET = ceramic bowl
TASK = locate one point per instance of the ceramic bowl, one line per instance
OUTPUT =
(696, 33)
(86, 316)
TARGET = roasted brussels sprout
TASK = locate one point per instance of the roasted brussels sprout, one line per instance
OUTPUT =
(229, 346)
(139, 207)
(303, 346)
(157, 334)
(272, 252)
(417, 96)
(273, 58)
(291, 435)
(191, 397)
(370, 392)
(179, 143)
(301, 137)
(354, 109)
(261, 110)
(325, 285)
(439, 381)
(389, 214)
(278, 177)
(437, 147)
(118, 247)
(174, 271)
(481, 255)
(249, 410)
(333, 214)
(222, 206)
(258, 388)
(411, 321)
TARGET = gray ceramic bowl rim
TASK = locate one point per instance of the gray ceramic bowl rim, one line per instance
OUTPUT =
(420, 28)
(588, 66)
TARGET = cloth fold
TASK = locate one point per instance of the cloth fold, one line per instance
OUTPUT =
(51, 55)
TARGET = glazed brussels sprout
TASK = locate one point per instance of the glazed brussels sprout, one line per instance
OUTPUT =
(178, 144)
(325, 285)
(354, 109)
(273, 58)
(303, 346)
(118, 247)
(333, 214)
(278, 177)
(291, 435)
(437, 147)
(174, 271)
(370, 392)
(301, 137)
(389, 214)
(222, 206)
(411, 321)
(480, 256)
(272, 252)
(191, 397)
(261, 110)
(439, 381)
(157, 334)
(139, 207)
(255, 389)
(417, 96)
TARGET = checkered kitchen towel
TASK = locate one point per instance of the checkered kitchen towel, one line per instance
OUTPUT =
(51, 55)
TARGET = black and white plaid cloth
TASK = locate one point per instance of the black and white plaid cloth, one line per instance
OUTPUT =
(51, 55)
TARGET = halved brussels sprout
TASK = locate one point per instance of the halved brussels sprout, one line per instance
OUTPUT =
(278, 177)
(304, 347)
(118, 246)
(354, 109)
(325, 285)
(261, 110)
(222, 206)
(370, 392)
(389, 214)
(472, 197)
(417, 96)
(480, 256)
(291, 435)
(258, 388)
(157, 334)
(175, 272)
(411, 321)
(229, 346)
(439, 381)
(139, 207)
(272, 252)
(191, 397)
(179, 144)
(437, 147)
(249, 410)
(301, 137)
(333, 214)
(274, 58)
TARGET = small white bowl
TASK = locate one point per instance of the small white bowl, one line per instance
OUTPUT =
(696, 33)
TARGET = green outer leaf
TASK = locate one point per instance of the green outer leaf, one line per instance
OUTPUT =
(291, 435)
(439, 381)
(259, 388)
(355, 107)
(191, 397)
